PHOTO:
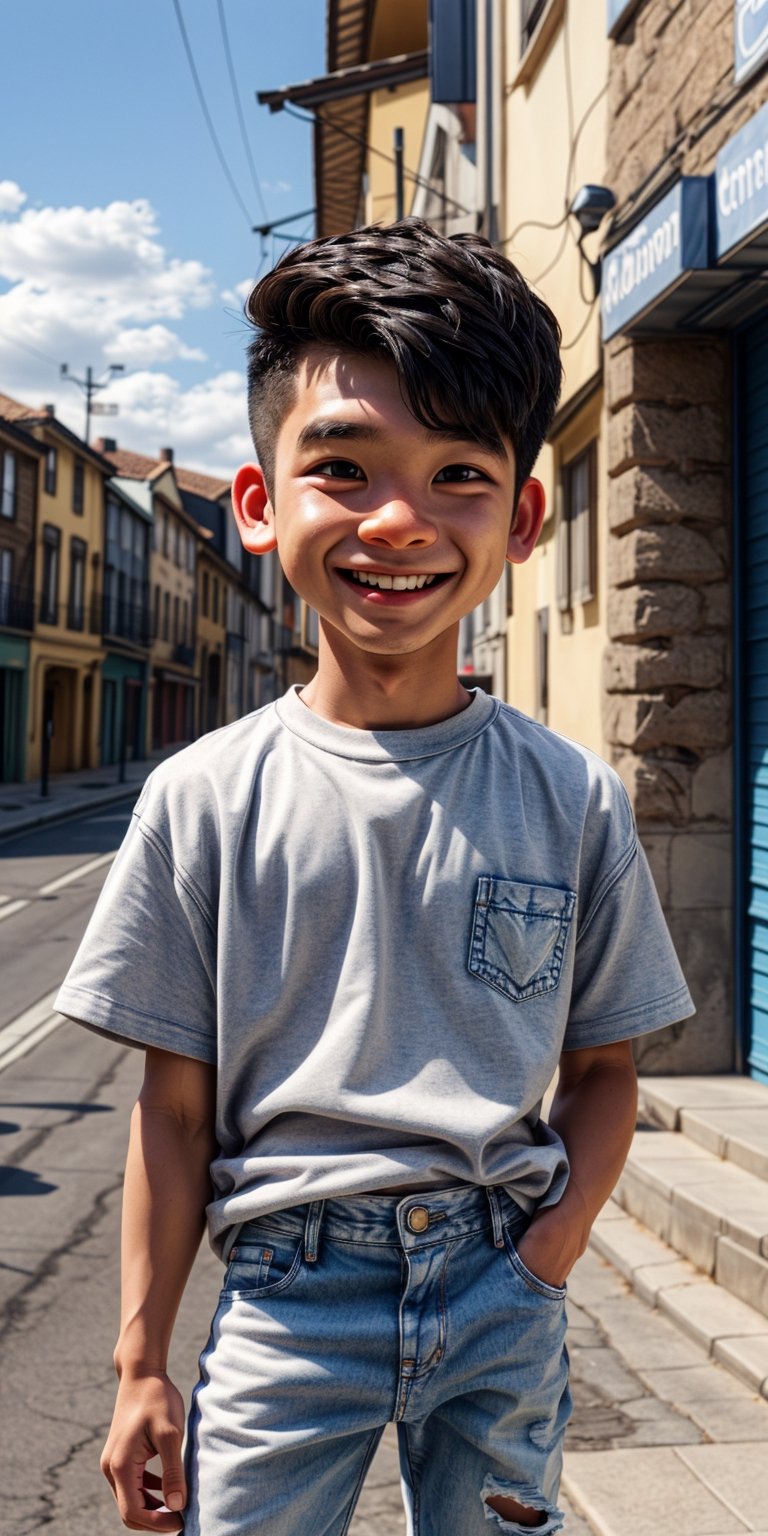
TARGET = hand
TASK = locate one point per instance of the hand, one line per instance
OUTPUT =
(148, 1421)
(550, 1247)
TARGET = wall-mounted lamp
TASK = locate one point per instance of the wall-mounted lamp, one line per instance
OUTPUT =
(589, 207)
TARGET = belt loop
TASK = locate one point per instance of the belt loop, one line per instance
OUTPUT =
(496, 1221)
(312, 1230)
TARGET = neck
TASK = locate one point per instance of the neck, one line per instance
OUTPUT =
(387, 693)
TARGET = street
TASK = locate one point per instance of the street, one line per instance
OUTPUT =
(641, 1390)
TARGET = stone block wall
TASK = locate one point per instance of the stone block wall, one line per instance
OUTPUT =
(667, 665)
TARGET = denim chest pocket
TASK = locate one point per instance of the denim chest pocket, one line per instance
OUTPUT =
(519, 934)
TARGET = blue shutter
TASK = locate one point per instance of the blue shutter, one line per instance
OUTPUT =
(452, 49)
(754, 674)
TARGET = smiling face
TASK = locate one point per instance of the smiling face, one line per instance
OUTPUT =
(390, 531)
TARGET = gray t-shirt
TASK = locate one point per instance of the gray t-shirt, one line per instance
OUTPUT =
(383, 940)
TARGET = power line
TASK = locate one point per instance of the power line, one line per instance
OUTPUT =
(27, 348)
(239, 108)
(207, 115)
(357, 138)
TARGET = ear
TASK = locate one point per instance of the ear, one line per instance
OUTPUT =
(254, 513)
(526, 524)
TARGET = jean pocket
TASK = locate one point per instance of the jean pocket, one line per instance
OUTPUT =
(519, 933)
(263, 1264)
(528, 1278)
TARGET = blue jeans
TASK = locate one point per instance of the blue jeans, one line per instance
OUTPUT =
(341, 1316)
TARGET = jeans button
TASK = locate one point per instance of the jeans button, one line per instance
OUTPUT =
(418, 1218)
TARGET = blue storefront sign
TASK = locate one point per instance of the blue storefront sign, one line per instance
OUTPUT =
(672, 239)
(741, 183)
(750, 36)
(619, 12)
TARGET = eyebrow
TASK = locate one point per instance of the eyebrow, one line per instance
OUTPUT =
(323, 431)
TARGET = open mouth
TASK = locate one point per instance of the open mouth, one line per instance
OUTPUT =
(393, 583)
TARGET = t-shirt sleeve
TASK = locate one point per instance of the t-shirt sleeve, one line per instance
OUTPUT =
(146, 968)
(627, 978)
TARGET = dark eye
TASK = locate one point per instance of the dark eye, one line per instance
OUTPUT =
(458, 474)
(339, 469)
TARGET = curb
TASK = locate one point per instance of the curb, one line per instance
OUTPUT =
(49, 816)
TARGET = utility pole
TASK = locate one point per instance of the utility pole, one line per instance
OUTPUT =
(90, 386)
(399, 177)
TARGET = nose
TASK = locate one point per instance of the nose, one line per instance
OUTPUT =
(397, 524)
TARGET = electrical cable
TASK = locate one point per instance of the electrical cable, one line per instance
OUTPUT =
(356, 138)
(568, 345)
(207, 115)
(239, 109)
(27, 348)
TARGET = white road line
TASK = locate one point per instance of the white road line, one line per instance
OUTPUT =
(82, 870)
(76, 874)
(28, 1029)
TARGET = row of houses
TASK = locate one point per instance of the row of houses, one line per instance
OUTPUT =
(617, 151)
(131, 618)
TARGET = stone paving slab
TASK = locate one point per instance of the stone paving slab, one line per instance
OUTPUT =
(747, 1357)
(642, 1492)
(665, 1097)
(741, 1481)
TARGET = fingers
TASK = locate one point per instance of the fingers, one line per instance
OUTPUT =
(168, 1442)
(133, 1487)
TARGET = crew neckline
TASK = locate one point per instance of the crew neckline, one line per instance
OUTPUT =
(386, 746)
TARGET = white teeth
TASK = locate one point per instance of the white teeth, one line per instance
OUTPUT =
(392, 583)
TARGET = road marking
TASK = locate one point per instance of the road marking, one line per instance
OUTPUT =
(28, 1030)
(76, 874)
(82, 870)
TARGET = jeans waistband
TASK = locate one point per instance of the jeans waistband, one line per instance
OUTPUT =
(408, 1221)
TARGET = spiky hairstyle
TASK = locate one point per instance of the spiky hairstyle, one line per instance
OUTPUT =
(474, 347)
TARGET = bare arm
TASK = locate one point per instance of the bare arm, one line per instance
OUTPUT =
(167, 1187)
(594, 1111)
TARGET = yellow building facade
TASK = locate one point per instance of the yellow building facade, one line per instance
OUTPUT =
(66, 649)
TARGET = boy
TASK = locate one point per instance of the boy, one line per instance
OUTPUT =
(357, 932)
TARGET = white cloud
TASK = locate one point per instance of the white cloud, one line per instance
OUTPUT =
(11, 197)
(96, 285)
(276, 186)
(237, 296)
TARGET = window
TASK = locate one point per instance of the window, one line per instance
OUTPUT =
(139, 540)
(50, 594)
(215, 599)
(176, 619)
(312, 628)
(157, 535)
(191, 556)
(577, 532)
(8, 502)
(126, 531)
(49, 478)
(542, 665)
(205, 594)
(156, 621)
(6, 583)
(531, 12)
(166, 615)
(110, 600)
(177, 544)
(78, 488)
(166, 534)
(185, 639)
(76, 604)
(113, 521)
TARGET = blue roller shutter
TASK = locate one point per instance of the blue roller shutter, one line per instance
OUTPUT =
(754, 690)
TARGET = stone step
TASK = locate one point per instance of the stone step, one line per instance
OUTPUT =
(726, 1115)
(729, 1330)
(712, 1212)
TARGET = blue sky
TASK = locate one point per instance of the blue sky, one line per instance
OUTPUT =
(120, 238)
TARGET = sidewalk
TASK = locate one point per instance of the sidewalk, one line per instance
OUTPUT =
(22, 807)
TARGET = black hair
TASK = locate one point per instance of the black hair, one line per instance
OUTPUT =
(475, 348)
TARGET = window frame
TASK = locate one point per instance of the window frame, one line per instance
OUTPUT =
(6, 587)
(51, 470)
(51, 565)
(78, 488)
(9, 496)
(531, 15)
(577, 532)
(78, 555)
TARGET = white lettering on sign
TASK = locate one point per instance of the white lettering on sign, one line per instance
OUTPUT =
(736, 185)
(642, 254)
